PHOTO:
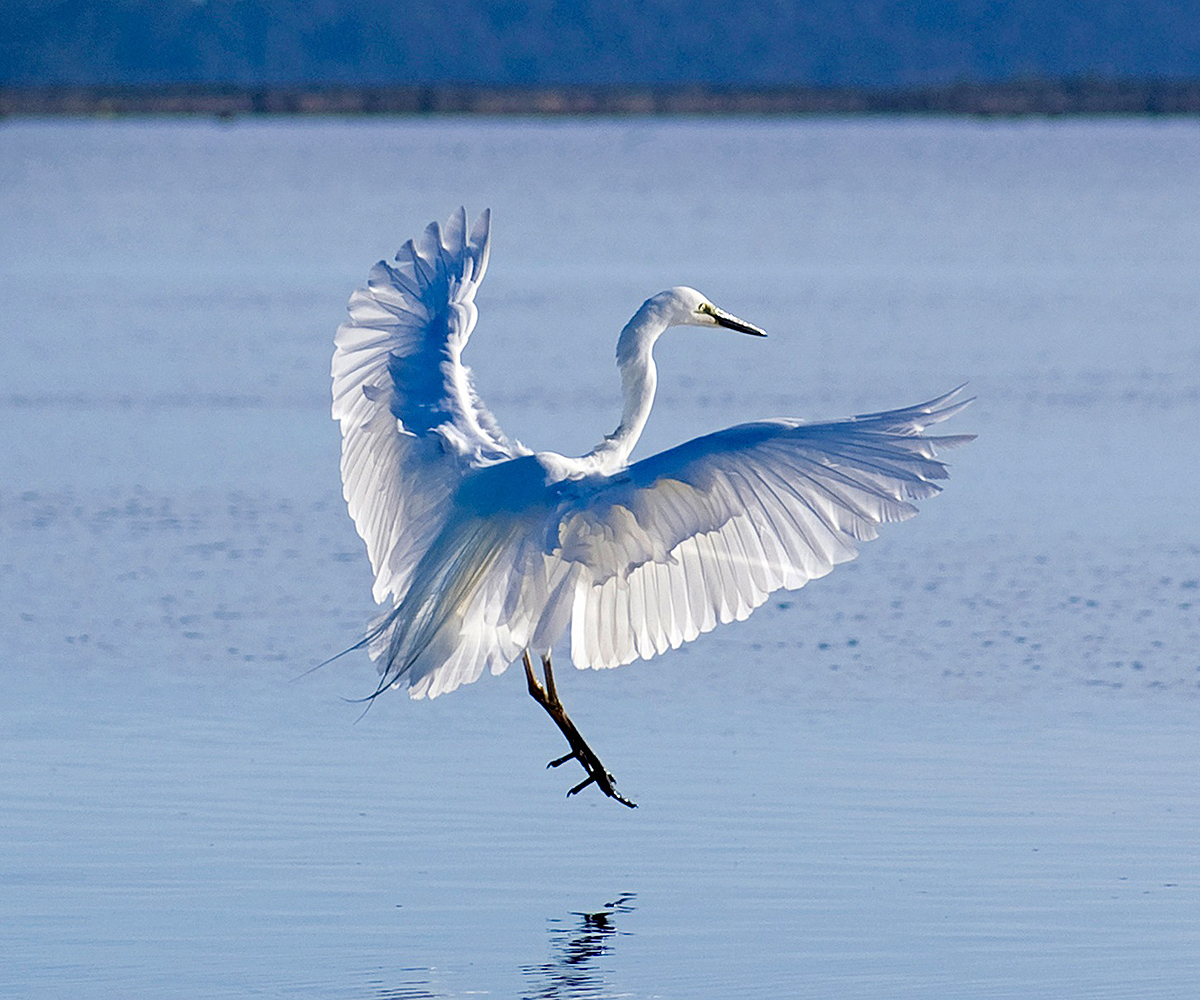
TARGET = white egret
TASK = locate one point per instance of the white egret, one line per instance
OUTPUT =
(488, 551)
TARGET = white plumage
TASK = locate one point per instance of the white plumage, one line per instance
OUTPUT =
(486, 550)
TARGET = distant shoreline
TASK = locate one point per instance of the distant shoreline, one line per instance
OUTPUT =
(1009, 99)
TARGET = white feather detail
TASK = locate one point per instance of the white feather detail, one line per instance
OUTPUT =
(410, 418)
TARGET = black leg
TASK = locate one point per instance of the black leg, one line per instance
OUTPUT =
(547, 697)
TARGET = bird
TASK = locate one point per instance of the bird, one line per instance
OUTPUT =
(486, 553)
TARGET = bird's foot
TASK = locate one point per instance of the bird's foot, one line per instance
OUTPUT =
(596, 772)
(547, 697)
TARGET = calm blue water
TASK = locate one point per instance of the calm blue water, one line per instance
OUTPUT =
(963, 766)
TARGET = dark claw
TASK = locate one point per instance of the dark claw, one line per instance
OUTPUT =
(582, 785)
(562, 760)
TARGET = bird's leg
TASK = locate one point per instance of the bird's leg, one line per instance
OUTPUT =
(547, 697)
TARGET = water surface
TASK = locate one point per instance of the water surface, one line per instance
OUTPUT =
(963, 766)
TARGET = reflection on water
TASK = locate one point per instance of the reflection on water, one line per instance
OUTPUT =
(573, 970)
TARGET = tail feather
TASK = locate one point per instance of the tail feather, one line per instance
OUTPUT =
(422, 633)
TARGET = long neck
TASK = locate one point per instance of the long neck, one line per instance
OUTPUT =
(638, 381)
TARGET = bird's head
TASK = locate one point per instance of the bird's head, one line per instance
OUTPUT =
(678, 306)
(683, 306)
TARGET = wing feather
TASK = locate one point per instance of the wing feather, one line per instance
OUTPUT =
(410, 418)
(705, 532)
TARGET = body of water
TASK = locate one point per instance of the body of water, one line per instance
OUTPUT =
(962, 766)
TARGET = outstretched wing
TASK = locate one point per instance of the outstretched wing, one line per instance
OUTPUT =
(410, 417)
(703, 533)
